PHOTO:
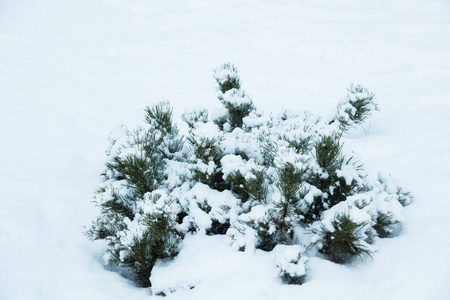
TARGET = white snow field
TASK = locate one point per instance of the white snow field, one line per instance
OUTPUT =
(73, 70)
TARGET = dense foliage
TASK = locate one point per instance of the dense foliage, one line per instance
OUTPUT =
(267, 181)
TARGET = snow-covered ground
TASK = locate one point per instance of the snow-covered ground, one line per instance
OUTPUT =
(72, 70)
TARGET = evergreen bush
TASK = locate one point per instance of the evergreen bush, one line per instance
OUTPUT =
(236, 101)
(345, 239)
(356, 108)
(266, 181)
(137, 229)
(290, 264)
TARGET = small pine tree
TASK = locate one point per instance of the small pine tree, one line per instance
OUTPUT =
(345, 240)
(236, 101)
(227, 77)
(291, 264)
(136, 169)
(239, 106)
(356, 108)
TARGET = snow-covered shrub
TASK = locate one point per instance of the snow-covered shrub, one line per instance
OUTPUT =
(227, 77)
(237, 102)
(267, 236)
(137, 223)
(264, 180)
(290, 264)
(356, 107)
(342, 238)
